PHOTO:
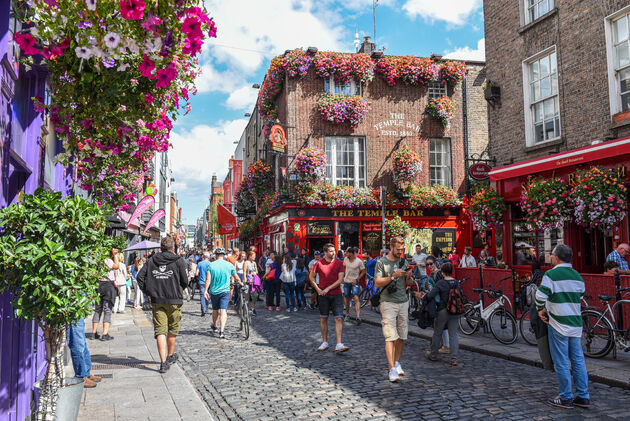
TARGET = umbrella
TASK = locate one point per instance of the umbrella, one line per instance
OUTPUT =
(523, 244)
(144, 245)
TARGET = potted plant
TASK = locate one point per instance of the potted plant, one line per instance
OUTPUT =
(442, 109)
(485, 208)
(598, 197)
(546, 203)
(396, 227)
(406, 167)
(52, 252)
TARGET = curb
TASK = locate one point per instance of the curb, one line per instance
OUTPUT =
(521, 360)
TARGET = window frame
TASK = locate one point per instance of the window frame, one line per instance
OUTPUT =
(331, 167)
(526, 19)
(441, 88)
(330, 85)
(449, 166)
(530, 135)
(614, 88)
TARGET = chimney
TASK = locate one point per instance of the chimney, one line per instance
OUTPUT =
(367, 47)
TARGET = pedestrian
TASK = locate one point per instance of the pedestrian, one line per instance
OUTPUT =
(558, 301)
(233, 257)
(276, 283)
(288, 281)
(255, 284)
(330, 271)
(80, 354)
(354, 270)
(300, 283)
(619, 256)
(468, 261)
(426, 286)
(240, 272)
(314, 297)
(135, 268)
(339, 255)
(163, 279)
(454, 257)
(268, 278)
(202, 275)
(286, 251)
(444, 319)
(217, 288)
(192, 275)
(304, 255)
(370, 267)
(391, 275)
(419, 259)
(262, 264)
(120, 276)
(107, 297)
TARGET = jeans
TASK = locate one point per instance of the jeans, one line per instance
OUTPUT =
(299, 295)
(564, 349)
(289, 292)
(204, 302)
(450, 321)
(81, 360)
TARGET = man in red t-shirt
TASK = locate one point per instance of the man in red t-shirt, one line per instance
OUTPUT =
(330, 271)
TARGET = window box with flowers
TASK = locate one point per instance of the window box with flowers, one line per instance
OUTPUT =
(340, 109)
(546, 203)
(598, 197)
(310, 165)
(442, 109)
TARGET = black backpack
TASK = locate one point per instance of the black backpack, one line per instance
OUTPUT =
(456, 301)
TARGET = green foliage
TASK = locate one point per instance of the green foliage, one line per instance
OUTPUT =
(119, 242)
(52, 255)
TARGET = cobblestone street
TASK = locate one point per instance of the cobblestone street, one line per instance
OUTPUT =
(278, 375)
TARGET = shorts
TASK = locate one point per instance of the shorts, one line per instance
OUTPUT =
(220, 301)
(349, 290)
(328, 303)
(166, 318)
(395, 320)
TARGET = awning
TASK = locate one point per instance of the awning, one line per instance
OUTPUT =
(610, 149)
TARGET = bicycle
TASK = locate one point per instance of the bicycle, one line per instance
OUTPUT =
(412, 295)
(367, 292)
(600, 333)
(501, 322)
(243, 311)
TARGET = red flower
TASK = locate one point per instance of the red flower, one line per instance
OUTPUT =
(132, 9)
(26, 43)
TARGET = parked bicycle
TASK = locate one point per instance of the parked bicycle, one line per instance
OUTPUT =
(496, 316)
(414, 297)
(600, 333)
(243, 310)
(368, 291)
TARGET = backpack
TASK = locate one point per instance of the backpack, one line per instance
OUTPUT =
(455, 302)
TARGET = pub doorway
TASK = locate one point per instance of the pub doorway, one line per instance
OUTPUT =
(349, 235)
(317, 243)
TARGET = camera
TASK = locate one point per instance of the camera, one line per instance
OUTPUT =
(392, 288)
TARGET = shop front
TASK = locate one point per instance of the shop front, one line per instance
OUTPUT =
(521, 245)
(311, 227)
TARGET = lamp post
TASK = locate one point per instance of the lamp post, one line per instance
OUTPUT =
(383, 191)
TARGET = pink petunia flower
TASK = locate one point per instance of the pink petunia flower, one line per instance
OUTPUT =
(26, 43)
(146, 68)
(192, 27)
(132, 9)
(166, 76)
(152, 24)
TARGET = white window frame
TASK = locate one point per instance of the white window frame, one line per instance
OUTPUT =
(614, 89)
(446, 168)
(331, 146)
(436, 90)
(530, 135)
(526, 8)
(330, 86)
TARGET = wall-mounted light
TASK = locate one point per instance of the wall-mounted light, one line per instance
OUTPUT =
(248, 114)
(256, 86)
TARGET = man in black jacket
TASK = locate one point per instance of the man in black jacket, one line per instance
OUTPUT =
(163, 279)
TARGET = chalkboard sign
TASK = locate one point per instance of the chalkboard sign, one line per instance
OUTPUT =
(324, 228)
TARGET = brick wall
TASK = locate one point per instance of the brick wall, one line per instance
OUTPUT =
(576, 28)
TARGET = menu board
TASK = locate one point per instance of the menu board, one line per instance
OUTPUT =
(444, 238)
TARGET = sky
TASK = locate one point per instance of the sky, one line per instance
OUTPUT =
(252, 32)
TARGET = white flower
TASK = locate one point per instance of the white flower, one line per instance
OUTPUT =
(91, 4)
(97, 52)
(131, 44)
(112, 40)
(83, 52)
(64, 19)
(153, 45)
(123, 67)
(34, 31)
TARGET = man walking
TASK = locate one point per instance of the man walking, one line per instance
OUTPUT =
(163, 279)
(558, 301)
(218, 283)
(391, 274)
(354, 270)
(330, 271)
(202, 274)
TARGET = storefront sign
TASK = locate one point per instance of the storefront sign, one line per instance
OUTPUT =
(444, 238)
(479, 171)
(373, 213)
(319, 228)
(377, 226)
(396, 125)
(278, 138)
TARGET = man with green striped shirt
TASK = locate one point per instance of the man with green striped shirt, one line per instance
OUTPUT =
(558, 301)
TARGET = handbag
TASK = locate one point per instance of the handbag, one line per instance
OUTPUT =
(271, 275)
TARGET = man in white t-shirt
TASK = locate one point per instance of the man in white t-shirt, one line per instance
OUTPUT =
(311, 264)
(468, 261)
(420, 260)
(354, 270)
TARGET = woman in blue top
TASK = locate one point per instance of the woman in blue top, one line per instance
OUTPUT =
(300, 282)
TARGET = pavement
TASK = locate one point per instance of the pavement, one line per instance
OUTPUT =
(132, 389)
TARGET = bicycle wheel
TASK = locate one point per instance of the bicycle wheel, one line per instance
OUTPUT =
(469, 322)
(245, 320)
(597, 334)
(527, 332)
(364, 296)
(503, 326)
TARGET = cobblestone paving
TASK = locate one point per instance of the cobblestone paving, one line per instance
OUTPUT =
(278, 375)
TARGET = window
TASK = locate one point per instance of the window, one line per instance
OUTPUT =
(541, 98)
(621, 52)
(537, 8)
(440, 165)
(346, 161)
(437, 90)
(350, 88)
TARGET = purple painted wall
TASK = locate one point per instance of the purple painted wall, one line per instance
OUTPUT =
(22, 157)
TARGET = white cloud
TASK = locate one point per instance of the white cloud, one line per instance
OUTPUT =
(454, 12)
(243, 98)
(467, 53)
(214, 80)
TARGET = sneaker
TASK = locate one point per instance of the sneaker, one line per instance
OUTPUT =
(213, 327)
(254, 312)
(581, 402)
(88, 384)
(89, 336)
(121, 311)
(106, 337)
(561, 403)
(444, 350)
(277, 308)
(358, 321)
(295, 309)
(393, 375)
(171, 359)
(221, 335)
(430, 356)
(323, 346)
(340, 347)
(270, 308)
(164, 367)
(453, 362)
(97, 336)
(289, 310)
(398, 367)
(94, 378)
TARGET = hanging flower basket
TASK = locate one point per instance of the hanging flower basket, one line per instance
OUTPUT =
(486, 209)
(259, 179)
(442, 109)
(396, 227)
(340, 109)
(598, 197)
(310, 165)
(546, 203)
(407, 166)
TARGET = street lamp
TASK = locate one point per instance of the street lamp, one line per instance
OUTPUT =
(256, 86)
(248, 114)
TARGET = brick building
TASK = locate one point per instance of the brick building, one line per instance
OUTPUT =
(561, 101)
(361, 157)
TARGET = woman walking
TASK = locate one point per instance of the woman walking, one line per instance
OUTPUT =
(135, 268)
(240, 272)
(107, 296)
(121, 283)
(300, 283)
(254, 285)
(288, 280)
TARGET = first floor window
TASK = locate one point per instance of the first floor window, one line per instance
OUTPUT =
(621, 52)
(346, 161)
(349, 88)
(537, 8)
(541, 77)
(440, 165)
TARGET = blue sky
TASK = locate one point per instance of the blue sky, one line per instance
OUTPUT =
(251, 32)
